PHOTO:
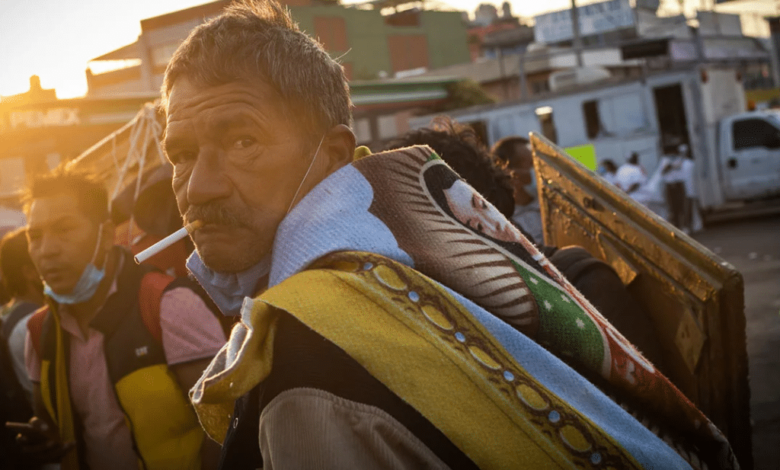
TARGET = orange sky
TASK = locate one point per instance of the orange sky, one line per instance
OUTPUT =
(55, 39)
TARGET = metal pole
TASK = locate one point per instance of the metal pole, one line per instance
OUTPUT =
(523, 80)
(575, 24)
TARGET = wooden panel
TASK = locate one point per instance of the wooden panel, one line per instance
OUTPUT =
(694, 298)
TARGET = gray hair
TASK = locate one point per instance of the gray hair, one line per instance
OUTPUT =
(258, 40)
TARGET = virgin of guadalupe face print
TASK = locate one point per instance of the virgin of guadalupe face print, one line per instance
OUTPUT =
(450, 233)
(473, 211)
(456, 239)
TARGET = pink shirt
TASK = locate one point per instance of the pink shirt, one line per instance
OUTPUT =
(190, 331)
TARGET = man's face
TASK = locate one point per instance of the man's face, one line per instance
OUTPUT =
(471, 209)
(238, 160)
(62, 241)
(521, 158)
(520, 165)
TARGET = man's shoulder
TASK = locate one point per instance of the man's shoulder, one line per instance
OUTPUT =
(181, 292)
(190, 320)
(156, 286)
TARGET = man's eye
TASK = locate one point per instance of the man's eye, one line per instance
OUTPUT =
(244, 143)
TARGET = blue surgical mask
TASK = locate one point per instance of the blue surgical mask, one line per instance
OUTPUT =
(530, 188)
(88, 282)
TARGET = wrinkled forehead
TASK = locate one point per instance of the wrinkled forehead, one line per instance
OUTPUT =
(192, 102)
(188, 94)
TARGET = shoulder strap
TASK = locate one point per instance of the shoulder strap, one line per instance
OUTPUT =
(153, 285)
(35, 327)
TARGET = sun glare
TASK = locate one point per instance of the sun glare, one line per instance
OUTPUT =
(56, 39)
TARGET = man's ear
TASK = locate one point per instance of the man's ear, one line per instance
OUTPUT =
(339, 147)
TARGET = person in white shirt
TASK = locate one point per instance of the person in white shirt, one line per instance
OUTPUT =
(630, 176)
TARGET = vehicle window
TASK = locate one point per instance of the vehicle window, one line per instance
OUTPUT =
(749, 133)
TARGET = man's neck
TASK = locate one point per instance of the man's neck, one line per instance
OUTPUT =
(84, 312)
(522, 198)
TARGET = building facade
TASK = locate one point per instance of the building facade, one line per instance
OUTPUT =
(369, 45)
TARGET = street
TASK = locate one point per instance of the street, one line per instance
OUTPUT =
(753, 247)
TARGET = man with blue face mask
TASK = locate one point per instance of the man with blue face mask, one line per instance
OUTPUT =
(515, 153)
(114, 351)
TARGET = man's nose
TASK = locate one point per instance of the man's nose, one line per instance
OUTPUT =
(50, 246)
(208, 180)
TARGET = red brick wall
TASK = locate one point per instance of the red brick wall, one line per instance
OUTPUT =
(408, 51)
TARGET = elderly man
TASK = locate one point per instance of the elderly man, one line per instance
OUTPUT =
(377, 330)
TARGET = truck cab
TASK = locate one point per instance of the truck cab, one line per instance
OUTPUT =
(749, 152)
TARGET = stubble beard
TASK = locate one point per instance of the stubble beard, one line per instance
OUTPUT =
(235, 258)
(248, 244)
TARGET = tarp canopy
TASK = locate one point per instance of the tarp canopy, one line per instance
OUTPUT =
(10, 219)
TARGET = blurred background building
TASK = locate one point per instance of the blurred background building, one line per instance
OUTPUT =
(411, 58)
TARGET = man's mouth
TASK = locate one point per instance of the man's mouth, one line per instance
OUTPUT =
(211, 227)
(212, 230)
(53, 274)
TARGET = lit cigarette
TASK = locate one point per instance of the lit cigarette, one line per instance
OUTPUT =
(168, 241)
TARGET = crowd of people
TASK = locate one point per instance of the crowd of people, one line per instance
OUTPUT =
(343, 308)
(670, 191)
